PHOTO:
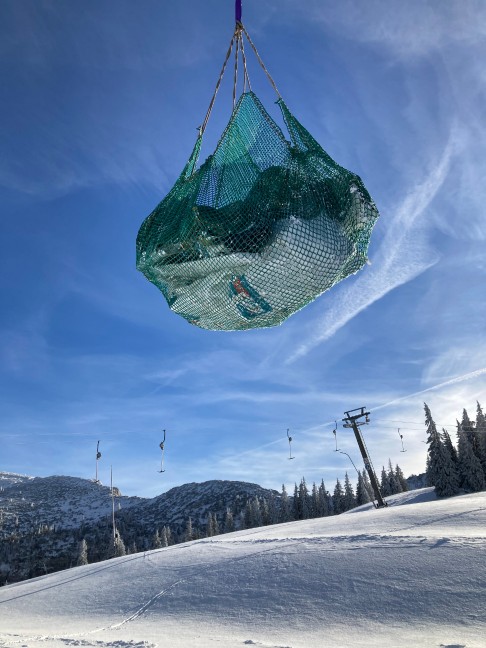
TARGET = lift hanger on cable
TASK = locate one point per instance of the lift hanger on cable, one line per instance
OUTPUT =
(290, 445)
(161, 446)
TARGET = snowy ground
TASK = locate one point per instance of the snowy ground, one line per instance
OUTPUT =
(408, 576)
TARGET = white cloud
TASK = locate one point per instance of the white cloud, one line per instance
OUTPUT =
(403, 254)
(410, 29)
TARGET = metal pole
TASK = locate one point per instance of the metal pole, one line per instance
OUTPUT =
(112, 506)
(351, 421)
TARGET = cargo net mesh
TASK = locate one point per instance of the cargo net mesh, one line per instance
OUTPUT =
(260, 229)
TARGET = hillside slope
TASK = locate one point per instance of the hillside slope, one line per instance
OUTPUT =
(43, 519)
(407, 576)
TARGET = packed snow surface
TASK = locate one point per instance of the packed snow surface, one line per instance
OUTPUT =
(407, 576)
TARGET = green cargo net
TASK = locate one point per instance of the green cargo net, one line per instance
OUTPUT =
(263, 227)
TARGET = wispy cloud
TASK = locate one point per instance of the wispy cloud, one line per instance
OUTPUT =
(404, 253)
(447, 383)
(412, 29)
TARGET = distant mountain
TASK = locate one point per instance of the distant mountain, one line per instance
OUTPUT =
(43, 520)
(52, 523)
(196, 501)
(30, 503)
(417, 481)
(9, 479)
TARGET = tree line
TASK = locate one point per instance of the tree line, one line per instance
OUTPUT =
(47, 549)
(461, 467)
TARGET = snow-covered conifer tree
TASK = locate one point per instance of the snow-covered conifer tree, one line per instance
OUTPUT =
(323, 500)
(304, 500)
(189, 533)
(314, 512)
(384, 483)
(164, 541)
(296, 504)
(481, 435)
(209, 526)
(362, 495)
(229, 523)
(247, 519)
(394, 484)
(170, 537)
(349, 500)
(471, 473)
(435, 454)
(447, 441)
(337, 498)
(285, 507)
(401, 478)
(256, 514)
(82, 558)
(156, 541)
(469, 429)
(265, 512)
(215, 524)
(119, 548)
(272, 510)
(447, 481)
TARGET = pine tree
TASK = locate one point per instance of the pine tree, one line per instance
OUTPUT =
(314, 512)
(119, 548)
(133, 548)
(471, 473)
(215, 525)
(304, 500)
(247, 519)
(362, 495)
(435, 454)
(447, 480)
(156, 541)
(469, 429)
(164, 540)
(265, 512)
(296, 504)
(324, 509)
(337, 498)
(189, 533)
(394, 484)
(229, 523)
(401, 478)
(285, 506)
(349, 500)
(481, 435)
(384, 483)
(256, 514)
(447, 441)
(170, 537)
(82, 558)
(272, 510)
(209, 526)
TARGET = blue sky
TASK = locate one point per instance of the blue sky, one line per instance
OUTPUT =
(100, 105)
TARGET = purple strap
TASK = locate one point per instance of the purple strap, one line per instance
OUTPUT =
(238, 10)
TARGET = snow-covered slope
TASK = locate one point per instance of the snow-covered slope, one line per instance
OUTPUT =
(407, 576)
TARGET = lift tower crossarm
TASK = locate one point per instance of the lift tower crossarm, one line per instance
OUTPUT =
(352, 420)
